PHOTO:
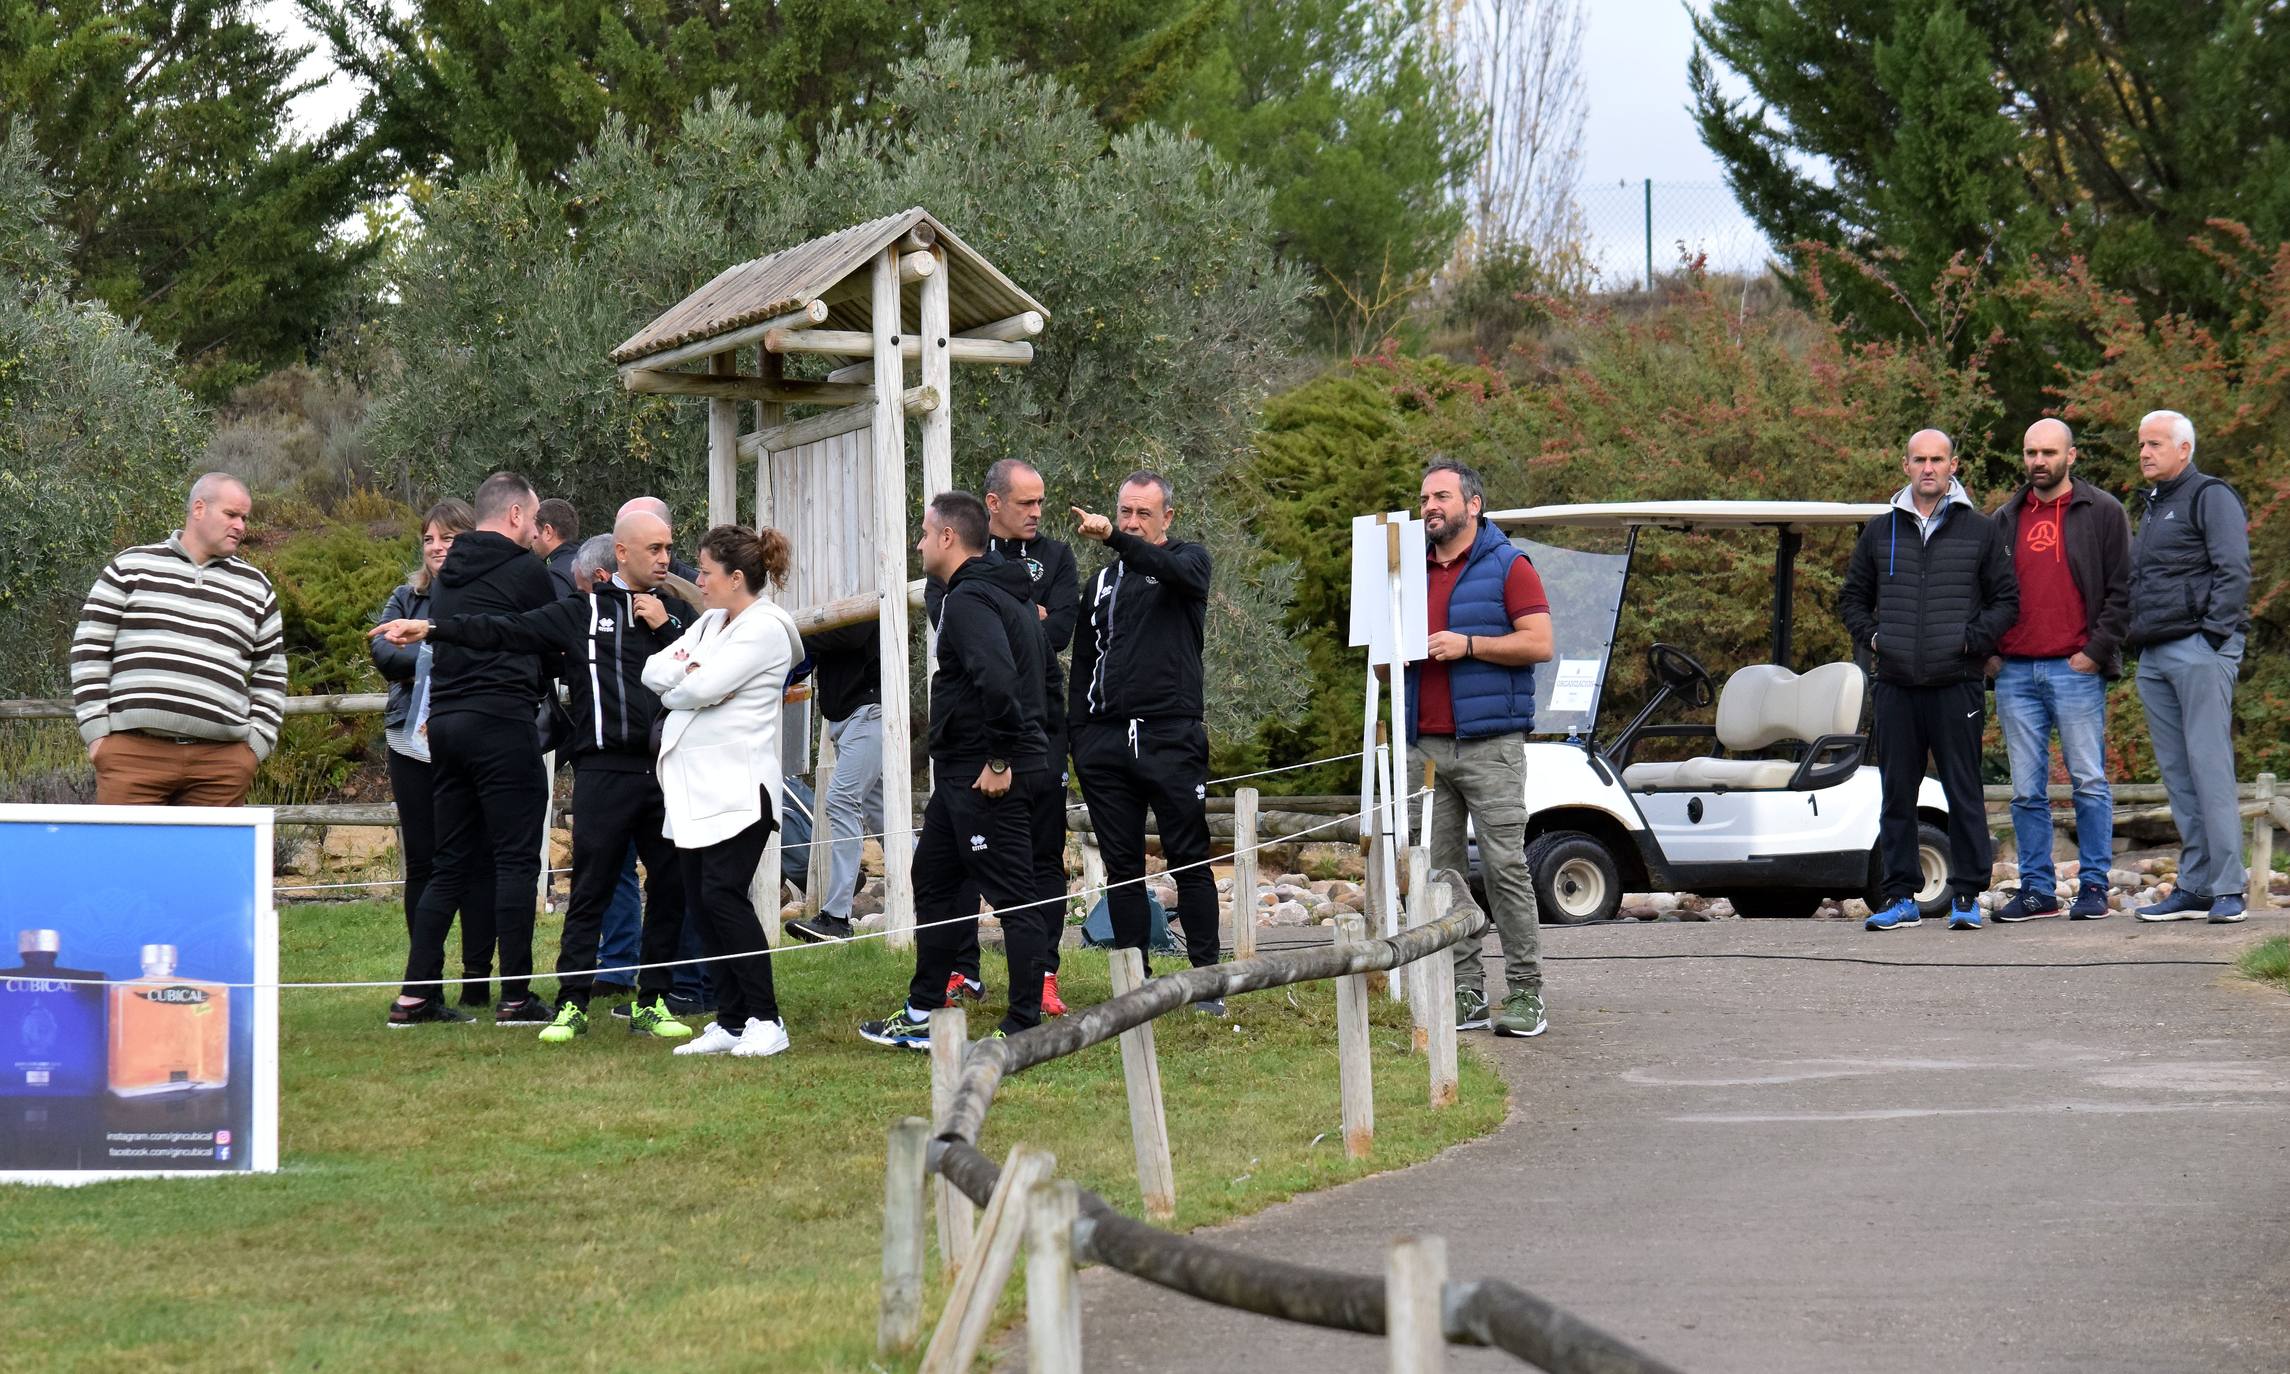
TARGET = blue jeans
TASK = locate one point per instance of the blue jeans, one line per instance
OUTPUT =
(2034, 697)
(623, 923)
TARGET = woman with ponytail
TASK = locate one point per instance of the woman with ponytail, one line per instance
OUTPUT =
(721, 685)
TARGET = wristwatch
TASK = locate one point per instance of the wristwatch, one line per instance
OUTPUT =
(997, 765)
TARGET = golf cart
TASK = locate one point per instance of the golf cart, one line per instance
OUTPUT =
(1781, 809)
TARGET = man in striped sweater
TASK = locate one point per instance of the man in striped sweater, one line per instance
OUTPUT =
(179, 664)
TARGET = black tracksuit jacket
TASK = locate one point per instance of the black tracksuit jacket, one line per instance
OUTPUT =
(604, 647)
(485, 574)
(1137, 651)
(846, 668)
(1056, 590)
(986, 697)
(1930, 611)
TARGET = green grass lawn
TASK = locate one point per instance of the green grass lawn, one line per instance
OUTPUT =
(2268, 961)
(464, 1197)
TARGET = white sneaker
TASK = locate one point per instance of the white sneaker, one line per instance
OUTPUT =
(761, 1038)
(714, 1040)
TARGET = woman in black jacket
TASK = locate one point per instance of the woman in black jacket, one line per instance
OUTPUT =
(405, 727)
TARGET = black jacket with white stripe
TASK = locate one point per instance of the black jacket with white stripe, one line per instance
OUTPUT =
(604, 646)
(1137, 651)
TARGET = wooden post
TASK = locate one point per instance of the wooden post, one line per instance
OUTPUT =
(1355, 1074)
(822, 858)
(1141, 1071)
(1439, 992)
(764, 891)
(723, 447)
(769, 415)
(1415, 1279)
(1419, 973)
(890, 578)
(1053, 1290)
(949, 1037)
(900, 1320)
(978, 1289)
(938, 374)
(1244, 873)
(1398, 692)
(2262, 846)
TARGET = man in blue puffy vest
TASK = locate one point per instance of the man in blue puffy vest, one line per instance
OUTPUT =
(1470, 706)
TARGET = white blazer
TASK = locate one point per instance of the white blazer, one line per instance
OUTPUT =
(719, 748)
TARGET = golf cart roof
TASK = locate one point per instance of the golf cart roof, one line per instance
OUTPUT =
(1690, 515)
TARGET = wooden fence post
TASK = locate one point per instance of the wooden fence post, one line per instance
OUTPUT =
(1244, 873)
(2262, 846)
(1415, 1273)
(1356, 1076)
(1439, 991)
(822, 855)
(1053, 1289)
(900, 1318)
(1418, 974)
(949, 1037)
(1141, 1072)
(978, 1288)
(1378, 895)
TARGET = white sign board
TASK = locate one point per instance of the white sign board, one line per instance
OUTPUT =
(1576, 686)
(1372, 587)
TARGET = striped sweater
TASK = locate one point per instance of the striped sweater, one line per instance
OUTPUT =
(176, 648)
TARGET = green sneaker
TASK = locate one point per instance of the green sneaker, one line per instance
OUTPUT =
(652, 1018)
(1522, 1015)
(572, 1020)
(1470, 1009)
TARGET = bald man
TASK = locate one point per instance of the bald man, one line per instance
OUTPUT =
(2071, 554)
(1928, 594)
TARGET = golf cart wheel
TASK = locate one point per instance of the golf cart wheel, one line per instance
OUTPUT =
(1575, 878)
(1931, 867)
(1775, 903)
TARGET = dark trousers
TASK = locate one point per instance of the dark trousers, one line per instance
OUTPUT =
(614, 808)
(716, 880)
(1942, 724)
(411, 783)
(974, 845)
(1045, 821)
(490, 794)
(1162, 764)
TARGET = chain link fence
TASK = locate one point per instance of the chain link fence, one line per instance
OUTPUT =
(1634, 230)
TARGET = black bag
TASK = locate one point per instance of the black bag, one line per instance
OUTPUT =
(552, 722)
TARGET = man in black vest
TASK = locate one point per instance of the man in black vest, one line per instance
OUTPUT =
(2190, 607)
(1928, 594)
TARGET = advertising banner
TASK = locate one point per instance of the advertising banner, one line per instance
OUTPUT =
(134, 1040)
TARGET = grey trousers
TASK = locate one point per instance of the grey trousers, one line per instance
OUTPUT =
(2187, 688)
(1485, 780)
(854, 803)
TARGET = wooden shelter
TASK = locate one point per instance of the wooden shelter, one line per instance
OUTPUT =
(878, 295)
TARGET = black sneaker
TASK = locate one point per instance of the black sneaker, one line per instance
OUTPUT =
(680, 1005)
(2028, 906)
(2090, 904)
(821, 929)
(1210, 1006)
(963, 989)
(530, 1011)
(428, 1011)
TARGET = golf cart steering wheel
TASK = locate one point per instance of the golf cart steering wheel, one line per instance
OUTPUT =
(1679, 671)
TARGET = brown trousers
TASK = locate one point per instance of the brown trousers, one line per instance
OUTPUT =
(134, 769)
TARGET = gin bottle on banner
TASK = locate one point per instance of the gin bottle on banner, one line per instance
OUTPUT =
(51, 1023)
(168, 1034)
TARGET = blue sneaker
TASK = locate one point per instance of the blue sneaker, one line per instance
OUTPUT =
(2228, 909)
(1904, 912)
(2090, 904)
(2181, 905)
(903, 1030)
(1964, 914)
(2027, 905)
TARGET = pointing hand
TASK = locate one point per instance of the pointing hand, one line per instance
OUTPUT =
(1095, 527)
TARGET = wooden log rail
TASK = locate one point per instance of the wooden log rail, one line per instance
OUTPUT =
(1482, 1312)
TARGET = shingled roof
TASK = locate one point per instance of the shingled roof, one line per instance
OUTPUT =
(751, 292)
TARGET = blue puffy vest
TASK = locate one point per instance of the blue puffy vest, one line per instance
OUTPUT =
(1489, 699)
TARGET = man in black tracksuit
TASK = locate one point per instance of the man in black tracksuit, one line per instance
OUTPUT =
(605, 634)
(485, 752)
(1138, 738)
(1928, 594)
(991, 756)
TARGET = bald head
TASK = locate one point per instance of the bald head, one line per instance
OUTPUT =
(640, 541)
(1931, 467)
(2048, 452)
(214, 517)
(648, 505)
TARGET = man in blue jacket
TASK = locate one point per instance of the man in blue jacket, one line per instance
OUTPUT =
(1470, 706)
(2190, 606)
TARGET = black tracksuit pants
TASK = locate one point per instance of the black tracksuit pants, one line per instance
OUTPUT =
(412, 785)
(716, 882)
(490, 796)
(973, 845)
(614, 806)
(1046, 821)
(1124, 768)
(1942, 724)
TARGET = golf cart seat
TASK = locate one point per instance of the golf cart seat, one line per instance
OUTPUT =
(1761, 706)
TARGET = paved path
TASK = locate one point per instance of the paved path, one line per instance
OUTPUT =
(1771, 1167)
